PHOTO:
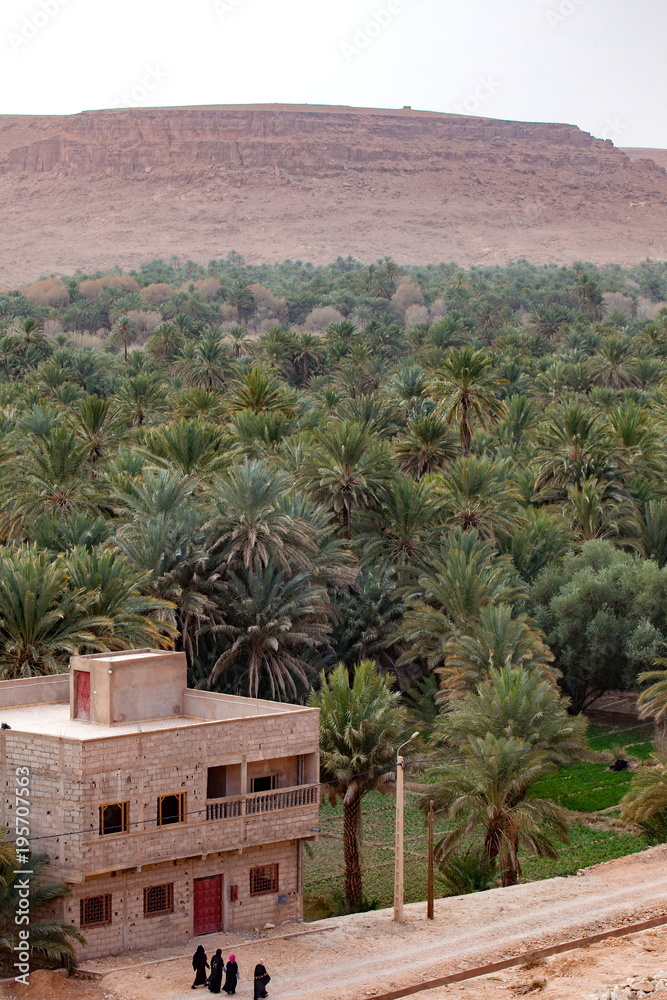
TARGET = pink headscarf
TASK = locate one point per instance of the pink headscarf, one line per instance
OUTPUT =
(231, 958)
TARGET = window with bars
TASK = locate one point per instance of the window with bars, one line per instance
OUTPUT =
(264, 879)
(159, 899)
(171, 809)
(114, 818)
(95, 911)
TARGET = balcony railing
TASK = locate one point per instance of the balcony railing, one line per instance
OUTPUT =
(263, 802)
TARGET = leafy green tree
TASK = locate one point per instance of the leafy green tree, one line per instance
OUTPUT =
(361, 724)
(604, 616)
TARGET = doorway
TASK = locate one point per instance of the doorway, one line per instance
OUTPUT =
(207, 905)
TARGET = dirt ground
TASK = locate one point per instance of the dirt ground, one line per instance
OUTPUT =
(359, 956)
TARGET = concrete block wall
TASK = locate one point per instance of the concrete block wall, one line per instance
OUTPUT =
(130, 930)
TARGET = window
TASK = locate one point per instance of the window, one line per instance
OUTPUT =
(113, 818)
(216, 782)
(159, 899)
(264, 879)
(95, 911)
(171, 809)
(265, 783)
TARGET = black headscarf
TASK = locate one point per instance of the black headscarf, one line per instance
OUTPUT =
(259, 971)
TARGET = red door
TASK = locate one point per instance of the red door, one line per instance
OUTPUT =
(207, 905)
(82, 695)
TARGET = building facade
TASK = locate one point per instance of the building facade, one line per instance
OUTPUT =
(170, 812)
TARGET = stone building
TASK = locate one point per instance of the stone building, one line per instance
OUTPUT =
(170, 812)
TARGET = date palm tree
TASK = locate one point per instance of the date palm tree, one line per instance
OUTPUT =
(43, 619)
(427, 445)
(192, 447)
(51, 940)
(50, 476)
(123, 334)
(477, 493)
(492, 748)
(260, 391)
(361, 724)
(250, 528)
(347, 470)
(468, 391)
(464, 577)
(272, 623)
(205, 364)
(494, 639)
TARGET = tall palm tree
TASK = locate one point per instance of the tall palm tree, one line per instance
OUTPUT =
(493, 747)
(142, 398)
(192, 447)
(463, 578)
(495, 639)
(96, 422)
(361, 724)
(400, 534)
(115, 589)
(427, 445)
(206, 364)
(123, 334)
(43, 619)
(477, 493)
(51, 476)
(261, 392)
(348, 469)
(250, 529)
(272, 624)
(468, 391)
(51, 939)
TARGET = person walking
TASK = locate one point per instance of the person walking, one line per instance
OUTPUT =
(217, 969)
(262, 979)
(200, 965)
(231, 976)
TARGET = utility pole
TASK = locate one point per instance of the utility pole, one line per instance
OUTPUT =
(398, 844)
(429, 905)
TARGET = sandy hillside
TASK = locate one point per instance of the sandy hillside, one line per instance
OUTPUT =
(119, 187)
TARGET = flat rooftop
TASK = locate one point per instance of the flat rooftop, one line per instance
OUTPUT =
(54, 720)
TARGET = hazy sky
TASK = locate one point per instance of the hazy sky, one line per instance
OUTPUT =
(598, 64)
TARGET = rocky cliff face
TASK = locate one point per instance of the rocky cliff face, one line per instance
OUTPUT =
(115, 187)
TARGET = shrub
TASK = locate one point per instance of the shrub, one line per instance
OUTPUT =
(49, 292)
(157, 294)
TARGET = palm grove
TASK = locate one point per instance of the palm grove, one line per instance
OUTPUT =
(448, 483)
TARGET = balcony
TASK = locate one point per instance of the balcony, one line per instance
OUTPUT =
(262, 802)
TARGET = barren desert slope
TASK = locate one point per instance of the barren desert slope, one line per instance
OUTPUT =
(107, 188)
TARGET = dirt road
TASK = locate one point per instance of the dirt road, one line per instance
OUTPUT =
(359, 956)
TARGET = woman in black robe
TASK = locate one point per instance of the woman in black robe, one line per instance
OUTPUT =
(217, 969)
(200, 965)
(231, 976)
(262, 978)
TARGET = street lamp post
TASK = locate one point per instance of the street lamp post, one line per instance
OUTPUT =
(398, 845)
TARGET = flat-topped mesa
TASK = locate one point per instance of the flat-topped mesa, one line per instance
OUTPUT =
(300, 141)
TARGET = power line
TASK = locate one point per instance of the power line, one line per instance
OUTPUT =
(463, 758)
